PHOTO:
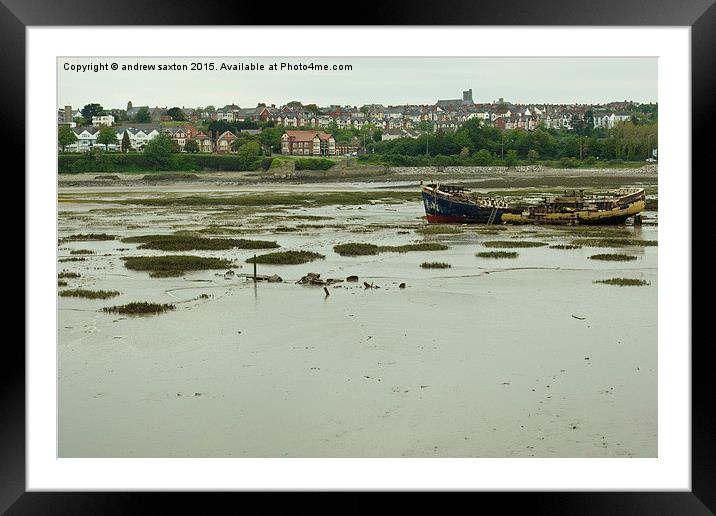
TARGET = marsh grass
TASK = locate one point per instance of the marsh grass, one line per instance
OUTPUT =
(278, 199)
(435, 265)
(166, 274)
(363, 249)
(187, 241)
(439, 230)
(614, 242)
(67, 275)
(613, 257)
(88, 236)
(497, 254)
(512, 244)
(221, 230)
(176, 176)
(173, 265)
(89, 294)
(287, 258)
(565, 246)
(356, 249)
(139, 308)
(624, 282)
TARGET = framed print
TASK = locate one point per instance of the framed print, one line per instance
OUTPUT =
(413, 257)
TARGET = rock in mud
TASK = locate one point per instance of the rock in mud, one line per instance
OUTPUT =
(311, 278)
(352, 278)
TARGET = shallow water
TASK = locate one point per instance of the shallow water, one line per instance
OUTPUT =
(489, 358)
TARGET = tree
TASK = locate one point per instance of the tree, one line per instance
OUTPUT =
(176, 114)
(107, 136)
(91, 110)
(65, 137)
(378, 135)
(483, 158)
(425, 126)
(511, 158)
(143, 116)
(158, 153)
(532, 155)
(191, 146)
(248, 154)
(126, 144)
(312, 108)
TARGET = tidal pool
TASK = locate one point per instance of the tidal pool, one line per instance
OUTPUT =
(520, 357)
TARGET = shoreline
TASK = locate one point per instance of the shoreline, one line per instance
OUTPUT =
(493, 176)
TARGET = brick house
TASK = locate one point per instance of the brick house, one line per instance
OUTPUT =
(308, 143)
(204, 142)
(224, 142)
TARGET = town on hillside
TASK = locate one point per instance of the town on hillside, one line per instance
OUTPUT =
(616, 130)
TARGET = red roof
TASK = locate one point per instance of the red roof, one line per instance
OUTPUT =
(306, 136)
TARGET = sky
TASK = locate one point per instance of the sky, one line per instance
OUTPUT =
(379, 80)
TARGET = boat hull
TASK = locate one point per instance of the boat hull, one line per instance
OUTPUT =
(439, 209)
(582, 217)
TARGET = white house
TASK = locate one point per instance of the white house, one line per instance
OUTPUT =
(103, 120)
(86, 139)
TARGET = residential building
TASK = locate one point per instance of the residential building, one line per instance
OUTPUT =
(308, 143)
(204, 141)
(224, 142)
(107, 120)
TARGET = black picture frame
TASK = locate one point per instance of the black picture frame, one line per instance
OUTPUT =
(700, 15)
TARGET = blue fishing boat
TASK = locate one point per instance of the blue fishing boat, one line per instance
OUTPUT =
(453, 204)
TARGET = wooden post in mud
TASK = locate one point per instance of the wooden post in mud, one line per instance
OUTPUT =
(254, 268)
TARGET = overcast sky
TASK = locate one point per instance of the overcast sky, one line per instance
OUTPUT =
(381, 80)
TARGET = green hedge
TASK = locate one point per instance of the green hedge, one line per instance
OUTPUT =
(314, 164)
(136, 162)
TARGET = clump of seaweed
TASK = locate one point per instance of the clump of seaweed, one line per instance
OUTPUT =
(508, 244)
(139, 308)
(497, 254)
(66, 274)
(81, 251)
(286, 258)
(173, 265)
(72, 259)
(565, 246)
(624, 282)
(435, 265)
(613, 257)
(61, 283)
(89, 294)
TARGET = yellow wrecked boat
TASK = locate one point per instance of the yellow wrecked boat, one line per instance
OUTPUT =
(576, 208)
